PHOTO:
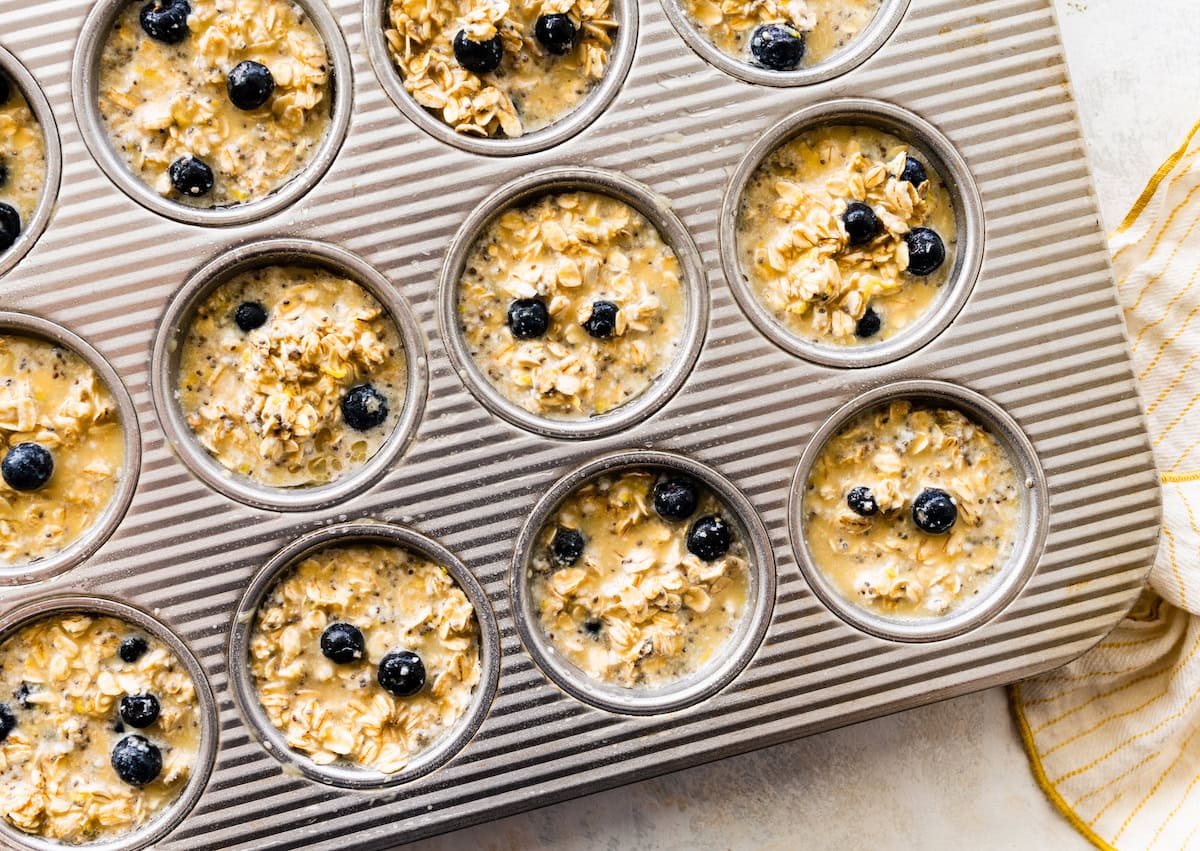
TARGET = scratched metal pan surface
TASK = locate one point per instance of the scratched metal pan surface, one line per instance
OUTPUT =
(1036, 338)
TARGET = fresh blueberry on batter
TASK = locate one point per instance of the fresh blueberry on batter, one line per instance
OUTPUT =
(136, 760)
(934, 511)
(8, 721)
(926, 251)
(191, 177)
(556, 33)
(914, 172)
(528, 318)
(343, 643)
(250, 315)
(10, 225)
(478, 57)
(401, 673)
(709, 538)
(862, 501)
(166, 20)
(139, 710)
(27, 467)
(779, 47)
(364, 408)
(250, 85)
(567, 546)
(862, 225)
(602, 324)
(869, 325)
(675, 499)
(132, 648)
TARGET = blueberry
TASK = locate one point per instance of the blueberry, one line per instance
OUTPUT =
(926, 251)
(5, 89)
(8, 721)
(862, 501)
(478, 57)
(401, 673)
(250, 85)
(556, 33)
(934, 511)
(132, 648)
(528, 318)
(862, 225)
(343, 643)
(139, 710)
(602, 324)
(3, 172)
(567, 546)
(10, 225)
(27, 467)
(779, 47)
(709, 538)
(166, 20)
(675, 499)
(191, 177)
(868, 325)
(364, 408)
(136, 760)
(914, 172)
(250, 315)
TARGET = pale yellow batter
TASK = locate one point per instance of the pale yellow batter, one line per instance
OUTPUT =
(885, 562)
(569, 251)
(51, 397)
(22, 157)
(338, 713)
(637, 609)
(162, 102)
(62, 679)
(532, 87)
(794, 248)
(267, 403)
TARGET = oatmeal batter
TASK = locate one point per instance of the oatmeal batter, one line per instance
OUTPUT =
(22, 158)
(163, 102)
(50, 397)
(338, 712)
(533, 86)
(796, 251)
(877, 555)
(828, 26)
(63, 679)
(636, 607)
(569, 253)
(270, 403)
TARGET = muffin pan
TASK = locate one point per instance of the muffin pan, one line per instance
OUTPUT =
(1038, 336)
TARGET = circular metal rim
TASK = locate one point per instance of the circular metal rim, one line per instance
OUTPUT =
(567, 127)
(657, 209)
(164, 367)
(169, 818)
(21, 324)
(862, 48)
(83, 95)
(32, 230)
(969, 215)
(690, 690)
(449, 744)
(1004, 588)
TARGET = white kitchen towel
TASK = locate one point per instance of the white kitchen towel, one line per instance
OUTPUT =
(1114, 737)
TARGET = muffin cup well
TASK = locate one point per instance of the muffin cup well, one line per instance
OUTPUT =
(996, 595)
(862, 48)
(170, 816)
(657, 210)
(24, 325)
(345, 776)
(165, 369)
(85, 80)
(689, 690)
(572, 124)
(968, 210)
(40, 107)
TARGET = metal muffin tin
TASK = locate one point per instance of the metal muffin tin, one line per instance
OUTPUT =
(1040, 337)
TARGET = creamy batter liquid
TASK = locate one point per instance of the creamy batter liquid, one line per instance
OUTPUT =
(885, 563)
(530, 90)
(637, 609)
(50, 396)
(571, 250)
(338, 712)
(161, 102)
(794, 249)
(23, 155)
(63, 680)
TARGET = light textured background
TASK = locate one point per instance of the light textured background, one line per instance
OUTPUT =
(945, 775)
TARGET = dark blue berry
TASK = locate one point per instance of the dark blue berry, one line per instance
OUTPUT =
(139, 710)
(862, 501)
(132, 648)
(567, 546)
(528, 318)
(136, 760)
(556, 33)
(478, 57)
(364, 408)
(8, 721)
(166, 20)
(675, 499)
(343, 643)
(779, 47)
(934, 511)
(914, 172)
(191, 177)
(401, 673)
(926, 251)
(709, 538)
(250, 85)
(602, 324)
(27, 467)
(10, 225)
(862, 225)
(250, 315)
(868, 325)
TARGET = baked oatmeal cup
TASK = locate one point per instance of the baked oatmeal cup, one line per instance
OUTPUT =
(23, 166)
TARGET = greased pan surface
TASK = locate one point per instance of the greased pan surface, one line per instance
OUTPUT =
(1039, 336)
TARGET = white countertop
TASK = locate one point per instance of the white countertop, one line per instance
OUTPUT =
(952, 773)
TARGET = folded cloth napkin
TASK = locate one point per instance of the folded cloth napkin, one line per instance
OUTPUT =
(1114, 737)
